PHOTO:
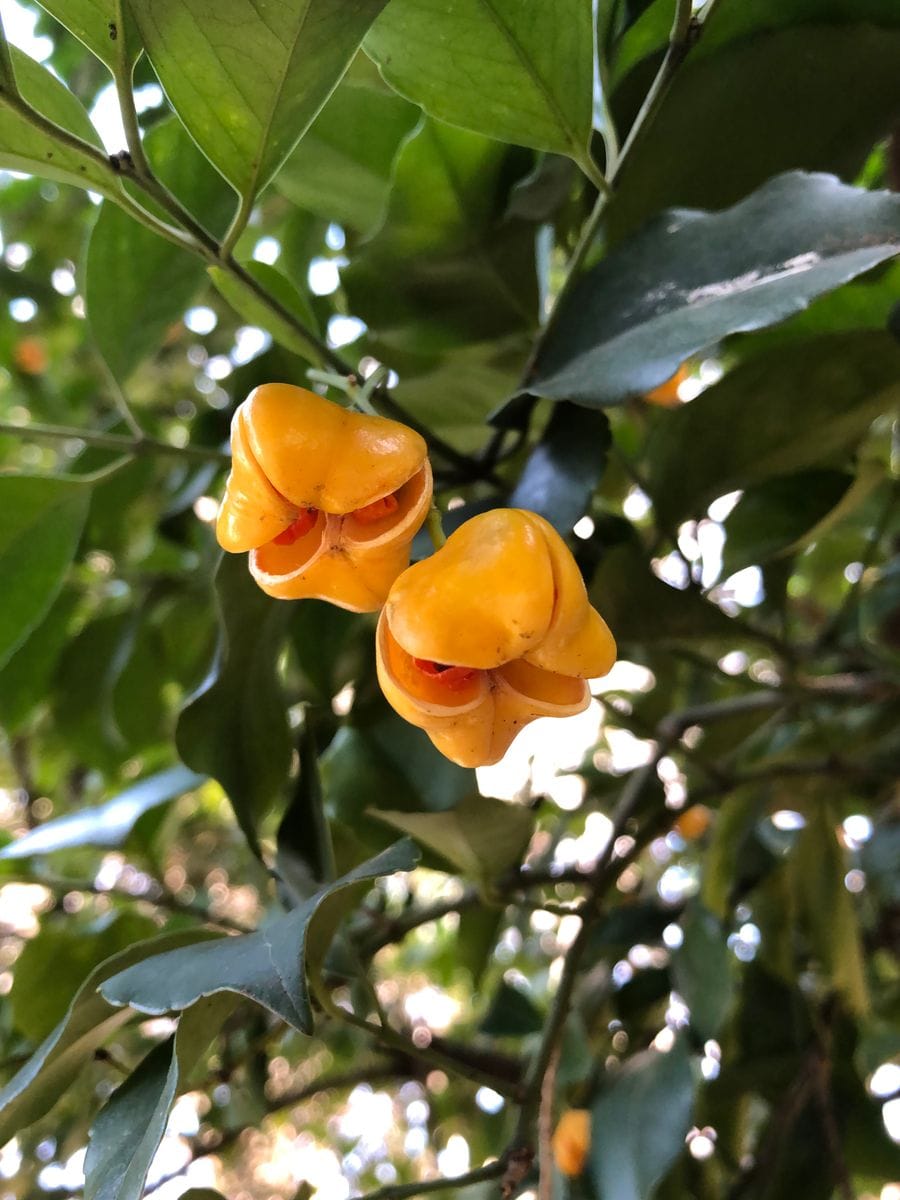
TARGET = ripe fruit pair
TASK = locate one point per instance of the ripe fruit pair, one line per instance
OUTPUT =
(490, 632)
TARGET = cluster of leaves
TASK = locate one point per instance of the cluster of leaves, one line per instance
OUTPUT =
(202, 785)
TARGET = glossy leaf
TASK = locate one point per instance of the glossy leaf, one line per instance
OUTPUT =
(106, 824)
(41, 519)
(137, 284)
(481, 836)
(106, 27)
(652, 1092)
(247, 304)
(248, 81)
(796, 407)
(129, 1128)
(533, 66)
(88, 1022)
(565, 467)
(342, 168)
(25, 148)
(268, 966)
(715, 154)
(703, 971)
(234, 727)
(691, 278)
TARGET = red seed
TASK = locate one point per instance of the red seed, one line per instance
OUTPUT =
(370, 513)
(452, 678)
(296, 530)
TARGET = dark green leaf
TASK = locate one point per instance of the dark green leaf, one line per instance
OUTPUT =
(25, 680)
(235, 725)
(565, 466)
(268, 966)
(702, 971)
(25, 148)
(769, 520)
(247, 304)
(305, 857)
(246, 80)
(881, 860)
(796, 407)
(482, 837)
(89, 1021)
(717, 153)
(691, 278)
(342, 168)
(533, 66)
(639, 1123)
(41, 519)
(105, 824)
(136, 283)
(512, 1013)
(106, 27)
(129, 1128)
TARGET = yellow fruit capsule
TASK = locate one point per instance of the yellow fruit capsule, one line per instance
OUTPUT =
(492, 631)
(326, 500)
(693, 822)
(666, 395)
(572, 1141)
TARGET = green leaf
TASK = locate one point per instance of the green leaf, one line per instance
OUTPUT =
(89, 1021)
(247, 304)
(734, 20)
(441, 259)
(881, 861)
(106, 27)
(342, 168)
(795, 407)
(25, 680)
(248, 80)
(818, 868)
(769, 520)
(305, 856)
(41, 519)
(26, 148)
(105, 824)
(702, 971)
(691, 278)
(268, 966)
(129, 1128)
(565, 466)
(533, 65)
(715, 154)
(482, 837)
(512, 1013)
(234, 727)
(639, 1123)
(137, 284)
(53, 964)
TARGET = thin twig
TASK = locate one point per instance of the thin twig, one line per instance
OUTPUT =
(112, 441)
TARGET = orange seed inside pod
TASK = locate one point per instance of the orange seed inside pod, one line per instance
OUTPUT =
(297, 528)
(370, 513)
(453, 678)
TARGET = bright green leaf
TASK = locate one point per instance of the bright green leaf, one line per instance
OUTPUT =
(89, 1021)
(105, 824)
(268, 966)
(41, 519)
(796, 407)
(342, 168)
(519, 73)
(137, 284)
(248, 80)
(247, 304)
(234, 727)
(639, 1123)
(106, 27)
(25, 148)
(691, 278)
(482, 837)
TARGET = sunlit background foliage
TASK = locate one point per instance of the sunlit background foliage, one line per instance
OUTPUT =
(733, 1022)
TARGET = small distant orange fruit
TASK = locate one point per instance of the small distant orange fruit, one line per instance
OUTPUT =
(666, 395)
(693, 822)
(30, 356)
(572, 1141)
